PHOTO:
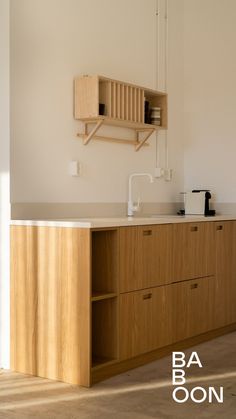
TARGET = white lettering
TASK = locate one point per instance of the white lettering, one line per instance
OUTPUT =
(197, 394)
(219, 398)
(177, 389)
(192, 361)
(192, 394)
(178, 359)
(178, 376)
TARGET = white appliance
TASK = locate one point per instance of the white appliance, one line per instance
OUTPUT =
(194, 203)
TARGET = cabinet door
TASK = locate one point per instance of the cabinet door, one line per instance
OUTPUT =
(145, 321)
(145, 257)
(224, 308)
(193, 250)
(191, 301)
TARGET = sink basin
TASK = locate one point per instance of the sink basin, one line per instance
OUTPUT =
(122, 219)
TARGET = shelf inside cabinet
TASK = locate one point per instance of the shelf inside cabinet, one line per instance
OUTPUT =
(100, 295)
(99, 361)
(158, 101)
(103, 101)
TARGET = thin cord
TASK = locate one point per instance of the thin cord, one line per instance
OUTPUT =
(166, 79)
(157, 44)
(166, 44)
(157, 72)
(157, 154)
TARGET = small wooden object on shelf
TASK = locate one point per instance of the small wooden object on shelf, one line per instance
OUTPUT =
(102, 101)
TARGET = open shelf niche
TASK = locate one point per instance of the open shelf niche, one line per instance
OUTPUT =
(104, 332)
(104, 298)
(104, 264)
(102, 101)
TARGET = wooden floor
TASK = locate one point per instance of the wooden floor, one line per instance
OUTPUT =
(143, 393)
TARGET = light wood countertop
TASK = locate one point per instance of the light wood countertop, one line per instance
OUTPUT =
(121, 221)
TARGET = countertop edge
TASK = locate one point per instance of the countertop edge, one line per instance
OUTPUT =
(120, 222)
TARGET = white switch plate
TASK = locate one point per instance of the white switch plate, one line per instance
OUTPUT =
(158, 172)
(74, 168)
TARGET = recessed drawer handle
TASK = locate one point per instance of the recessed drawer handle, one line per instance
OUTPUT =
(147, 296)
(219, 228)
(195, 228)
(147, 232)
(193, 286)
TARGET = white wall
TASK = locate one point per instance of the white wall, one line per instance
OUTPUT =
(52, 42)
(210, 96)
(4, 184)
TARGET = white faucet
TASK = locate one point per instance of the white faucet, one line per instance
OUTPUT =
(131, 206)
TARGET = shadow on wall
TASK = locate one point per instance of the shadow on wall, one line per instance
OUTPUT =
(4, 271)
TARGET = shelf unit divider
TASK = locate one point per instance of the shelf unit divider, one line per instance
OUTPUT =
(109, 102)
(122, 102)
(142, 105)
(118, 100)
(126, 103)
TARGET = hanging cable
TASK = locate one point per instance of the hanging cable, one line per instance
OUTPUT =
(157, 77)
(166, 44)
(157, 71)
(166, 80)
(157, 45)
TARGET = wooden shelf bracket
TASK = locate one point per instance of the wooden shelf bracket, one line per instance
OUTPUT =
(89, 136)
(136, 142)
(148, 132)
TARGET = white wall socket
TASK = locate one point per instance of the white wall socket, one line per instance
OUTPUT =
(158, 172)
(74, 168)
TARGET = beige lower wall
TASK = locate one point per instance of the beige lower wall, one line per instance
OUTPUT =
(39, 210)
(23, 211)
(225, 207)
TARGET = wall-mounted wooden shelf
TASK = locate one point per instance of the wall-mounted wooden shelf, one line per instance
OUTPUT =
(102, 101)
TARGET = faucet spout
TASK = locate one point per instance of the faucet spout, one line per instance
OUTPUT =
(131, 206)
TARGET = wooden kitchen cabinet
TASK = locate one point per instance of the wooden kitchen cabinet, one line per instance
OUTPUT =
(145, 321)
(50, 302)
(224, 289)
(63, 301)
(193, 250)
(145, 256)
(192, 307)
(89, 303)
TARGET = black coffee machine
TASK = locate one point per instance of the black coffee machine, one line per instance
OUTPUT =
(208, 212)
(195, 206)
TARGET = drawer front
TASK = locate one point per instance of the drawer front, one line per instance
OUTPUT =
(145, 321)
(192, 307)
(145, 257)
(193, 250)
(225, 287)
